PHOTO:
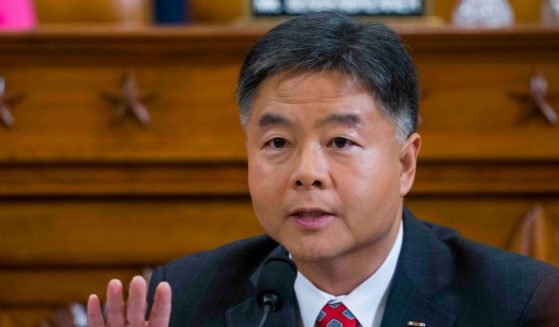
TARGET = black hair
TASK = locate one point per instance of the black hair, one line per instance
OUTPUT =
(327, 41)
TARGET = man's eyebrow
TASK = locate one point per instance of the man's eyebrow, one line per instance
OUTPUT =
(350, 120)
(274, 119)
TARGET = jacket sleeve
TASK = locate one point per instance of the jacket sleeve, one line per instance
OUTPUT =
(542, 309)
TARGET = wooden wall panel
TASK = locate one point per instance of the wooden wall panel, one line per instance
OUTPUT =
(471, 77)
(489, 178)
(72, 180)
(491, 220)
(118, 232)
(48, 287)
(24, 317)
(181, 98)
(76, 248)
(84, 199)
(155, 179)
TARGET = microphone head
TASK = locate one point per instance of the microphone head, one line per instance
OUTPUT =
(275, 285)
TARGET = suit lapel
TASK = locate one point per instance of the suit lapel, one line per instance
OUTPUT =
(248, 313)
(419, 289)
(405, 303)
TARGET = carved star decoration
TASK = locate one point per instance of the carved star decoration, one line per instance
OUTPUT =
(539, 94)
(129, 100)
(6, 103)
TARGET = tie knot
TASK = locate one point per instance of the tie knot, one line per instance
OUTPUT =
(336, 315)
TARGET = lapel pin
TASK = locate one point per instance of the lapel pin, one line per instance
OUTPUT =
(416, 323)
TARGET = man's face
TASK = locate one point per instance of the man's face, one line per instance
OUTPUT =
(327, 174)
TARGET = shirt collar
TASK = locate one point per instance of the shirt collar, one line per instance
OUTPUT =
(366, 301)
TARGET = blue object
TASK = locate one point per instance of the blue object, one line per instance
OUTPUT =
(170, 12)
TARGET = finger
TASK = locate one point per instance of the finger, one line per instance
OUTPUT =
(94, 314)
(161, 310)
(115, 304)
(136, 309)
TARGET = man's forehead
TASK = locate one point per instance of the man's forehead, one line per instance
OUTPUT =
(312, 99)
(311, 86)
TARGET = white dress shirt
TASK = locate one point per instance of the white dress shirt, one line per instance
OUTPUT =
(366, 301)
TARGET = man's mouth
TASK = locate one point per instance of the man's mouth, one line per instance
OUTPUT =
(311, 218)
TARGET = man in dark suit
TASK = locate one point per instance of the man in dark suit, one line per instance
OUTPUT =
(329, 109)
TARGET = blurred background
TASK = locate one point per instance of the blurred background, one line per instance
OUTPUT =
(212, 11)
(121, 148)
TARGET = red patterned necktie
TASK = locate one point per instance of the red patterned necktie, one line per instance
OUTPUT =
(336, 315)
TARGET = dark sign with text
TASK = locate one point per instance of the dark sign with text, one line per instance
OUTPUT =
(351, 7)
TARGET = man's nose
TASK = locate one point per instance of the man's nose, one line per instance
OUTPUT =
(310, 169)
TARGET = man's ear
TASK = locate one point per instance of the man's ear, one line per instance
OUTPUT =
(408, 162)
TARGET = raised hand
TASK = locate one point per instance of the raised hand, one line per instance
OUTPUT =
(131, 313)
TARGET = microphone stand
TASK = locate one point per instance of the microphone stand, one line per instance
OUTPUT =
(269, 301)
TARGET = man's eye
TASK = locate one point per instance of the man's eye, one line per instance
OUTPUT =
(276, 142)
(340, 142)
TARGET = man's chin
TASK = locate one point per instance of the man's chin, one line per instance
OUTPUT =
(306, 252)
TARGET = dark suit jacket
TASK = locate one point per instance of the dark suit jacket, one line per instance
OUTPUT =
(441, 279)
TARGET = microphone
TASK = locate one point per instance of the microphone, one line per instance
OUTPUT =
(275, 286)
